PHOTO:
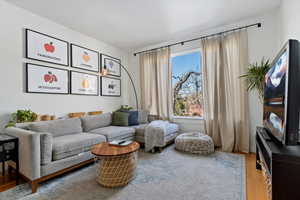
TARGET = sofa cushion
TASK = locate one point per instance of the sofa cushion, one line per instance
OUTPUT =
(143, 116)
(58, 127)
(170, 129)
(96, 121)
(46, 141)
(170, 132)
(120, 119)
(140, 129)
(69, 145)
(115, 132)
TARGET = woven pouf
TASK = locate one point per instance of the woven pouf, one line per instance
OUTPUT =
(198, 143)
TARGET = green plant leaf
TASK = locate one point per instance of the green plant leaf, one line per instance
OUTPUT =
(255, 76)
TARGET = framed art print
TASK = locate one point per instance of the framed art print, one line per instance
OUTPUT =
(84, 84)
(112, 65)
(49, 80)
(84, 58)
(46, 48)
(110, 87)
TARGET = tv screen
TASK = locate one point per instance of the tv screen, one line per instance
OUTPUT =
(274, 96)
(281, 95)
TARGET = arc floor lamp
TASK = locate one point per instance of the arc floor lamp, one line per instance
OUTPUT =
(104, 72)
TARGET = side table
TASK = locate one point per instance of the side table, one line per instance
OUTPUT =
(9, 151)
(117, 163)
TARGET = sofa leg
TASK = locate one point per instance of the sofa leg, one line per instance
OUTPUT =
(160, 149)
(34, 186)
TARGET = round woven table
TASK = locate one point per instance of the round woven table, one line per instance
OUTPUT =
(117, 163)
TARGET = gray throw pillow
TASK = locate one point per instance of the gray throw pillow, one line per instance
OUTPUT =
(143, 116)
(58, 127)
(46, 140)
(96, 121)
(120, 119)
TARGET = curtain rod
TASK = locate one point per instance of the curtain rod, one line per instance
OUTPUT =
(200, 38)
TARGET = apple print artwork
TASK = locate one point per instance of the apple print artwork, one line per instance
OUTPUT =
(86, 56)
(49, 47)
(50, 77)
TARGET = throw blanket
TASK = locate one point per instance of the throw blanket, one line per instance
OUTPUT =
(155, 134)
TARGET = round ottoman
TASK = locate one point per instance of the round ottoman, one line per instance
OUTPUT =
(198, 143)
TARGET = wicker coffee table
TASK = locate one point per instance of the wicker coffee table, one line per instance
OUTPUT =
(117, 163)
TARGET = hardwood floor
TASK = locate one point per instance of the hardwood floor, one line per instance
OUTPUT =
(7, 182)
(256, 189)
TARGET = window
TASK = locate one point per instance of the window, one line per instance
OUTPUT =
(187, 84)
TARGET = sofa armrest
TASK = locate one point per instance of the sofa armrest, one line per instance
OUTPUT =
(29, 151)
(46, 140)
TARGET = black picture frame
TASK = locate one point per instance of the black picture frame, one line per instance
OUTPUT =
(71, 72)
(114, 79)
(44, 66)
(72, 64)
(26, 48)
(110, 58)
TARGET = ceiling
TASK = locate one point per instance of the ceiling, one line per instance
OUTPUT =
(132, 24)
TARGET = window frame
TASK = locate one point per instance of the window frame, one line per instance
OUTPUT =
(180, 53)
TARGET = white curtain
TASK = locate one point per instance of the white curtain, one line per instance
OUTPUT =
(224, 59)
(156, 83)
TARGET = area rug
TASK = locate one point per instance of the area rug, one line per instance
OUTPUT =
(170, 175)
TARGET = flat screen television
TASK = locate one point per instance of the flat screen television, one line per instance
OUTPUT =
(281, 95)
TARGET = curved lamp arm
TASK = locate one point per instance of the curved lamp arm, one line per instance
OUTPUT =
(132, 83)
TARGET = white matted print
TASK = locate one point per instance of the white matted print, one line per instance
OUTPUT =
(84, 84)
(42, 79)
(110, 87)
(111, 64)
(46, 48)
(84, 58)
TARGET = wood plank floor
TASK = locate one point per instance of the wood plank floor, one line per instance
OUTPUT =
(256, 189)
(7, 182)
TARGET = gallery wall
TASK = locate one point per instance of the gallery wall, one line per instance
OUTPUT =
(262, 42)
(13, 22)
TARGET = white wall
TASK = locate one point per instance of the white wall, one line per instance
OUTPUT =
(12, 95)
(289, 18)
(263, 42)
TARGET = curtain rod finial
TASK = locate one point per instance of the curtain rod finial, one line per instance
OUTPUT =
(134, 54)
(259, 25)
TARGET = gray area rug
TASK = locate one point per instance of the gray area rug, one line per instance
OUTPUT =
(169, 175)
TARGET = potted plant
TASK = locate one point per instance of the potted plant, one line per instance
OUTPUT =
(255, 76)
(22, 116)
(124, 108)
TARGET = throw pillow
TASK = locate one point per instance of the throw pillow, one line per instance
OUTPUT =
(120, 119)
(143, 116)
(96, 121)
(58, 127)
(133, 118)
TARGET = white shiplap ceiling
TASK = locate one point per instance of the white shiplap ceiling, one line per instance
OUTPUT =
(131, 24)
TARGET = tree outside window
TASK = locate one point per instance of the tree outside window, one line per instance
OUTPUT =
(187, 84)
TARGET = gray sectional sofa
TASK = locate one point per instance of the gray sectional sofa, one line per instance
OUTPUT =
(50, 148)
